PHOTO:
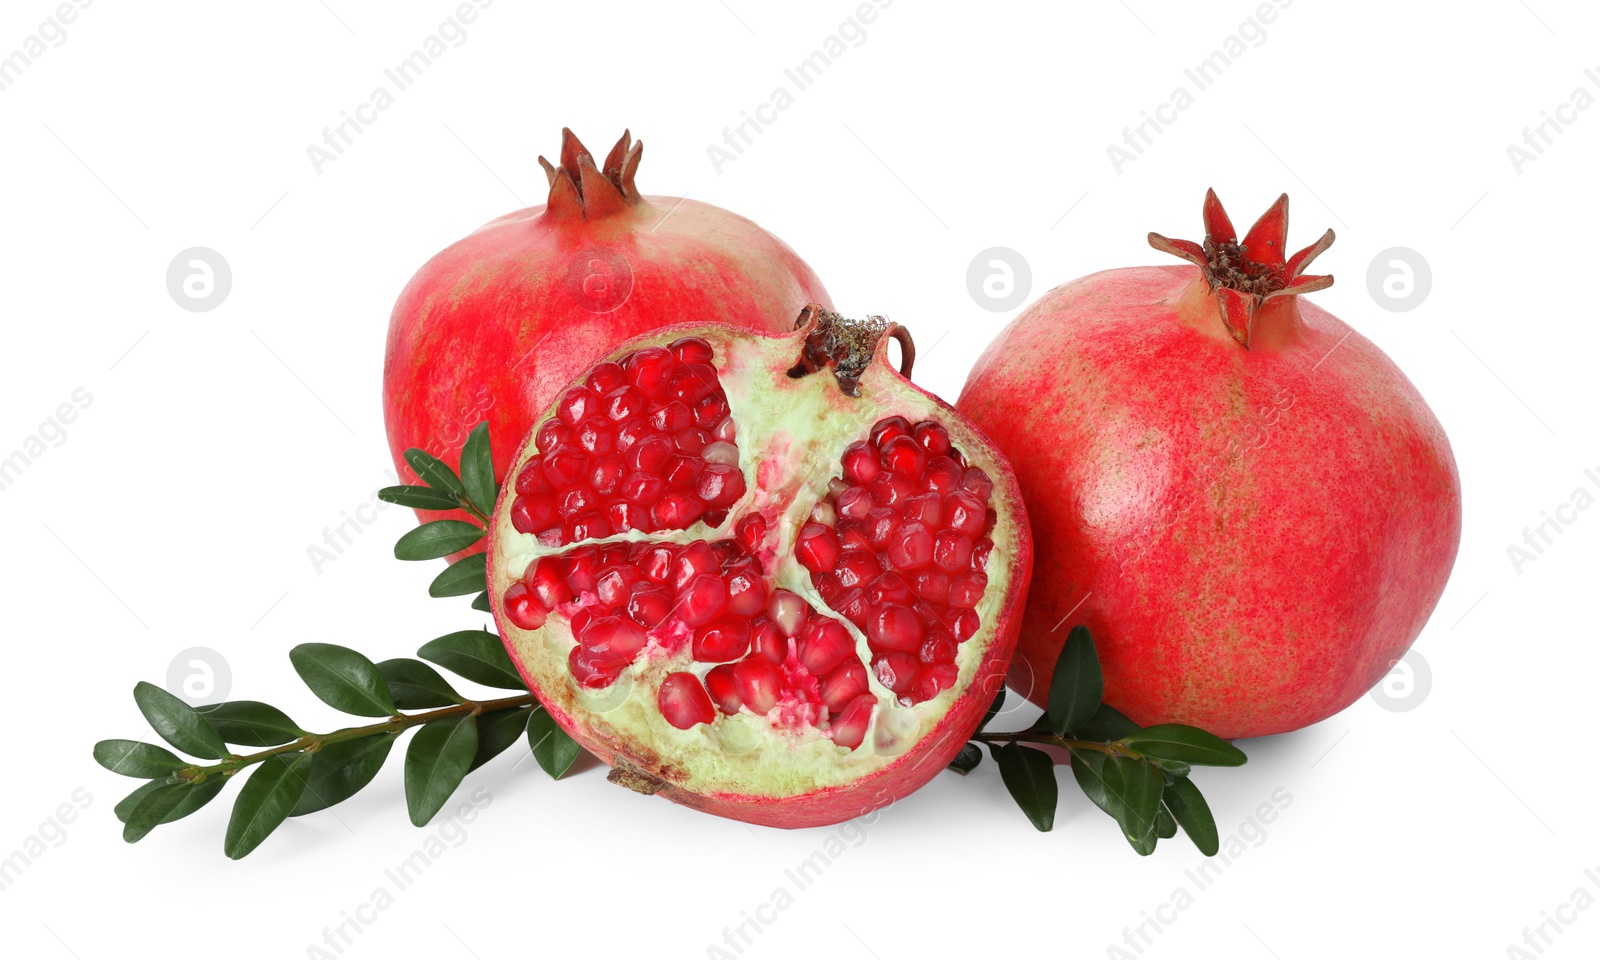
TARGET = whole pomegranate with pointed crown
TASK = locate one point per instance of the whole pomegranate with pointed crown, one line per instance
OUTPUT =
(1247, 503)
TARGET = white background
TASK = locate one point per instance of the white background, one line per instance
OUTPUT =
(179, 508)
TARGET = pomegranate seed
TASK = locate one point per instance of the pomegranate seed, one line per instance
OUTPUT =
(691, 350)
(967, 589)
(822, 645)
(624, 403)
(583, 569)
(854, 502)
(845, 683)
(853, 606)
(726, 430)
(747, 593)
(649, 455)
(671, 418)
(683, 470)
(579, 620)
(563, 468)
(931, 437)
(893, 627)
(977, 483)
(887, 489)
(823, 513)
(722, 640)
(751, 531)
(759, 683)
(766, 641)
(587, 526)
(860, 462)
(594, 436)
(720, 485)
(720, 452)
(605, 475)
(612, 554)
(881, 526)
(648, 604)
(816, 548)
(939, 647)
(929, 616)
(710, 410)
(611, 640)
(896, 671)
(932, 586)
(693, 382)
(849, 726)
(836, 486)
(964, 514)
(534, 512)
(905, 456)
(649, 369)
(548, 583)
(888, 588)
(615, 583)
(943, 475)
(888, 428)
(827, 586)
(724, 691)
(589, 674)
(522, 606)
(963, 623)
(911, 548)
(577, 405)
(531, 478)
(702, 600)
(855, 567)
(931, 680)
(552, 537)
(788, 612)
(641, 488)
(852, 537)
(656, 562)
(625, 516)
(675, 510)
(696, 558)
(684, 701)
(552, 433)
(924, 509)
(578, 500)
(980, 554)
(728, 554)
(951, 551)
(604, 378)
(630, 432)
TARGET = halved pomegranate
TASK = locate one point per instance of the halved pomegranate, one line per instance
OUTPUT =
(764, 576)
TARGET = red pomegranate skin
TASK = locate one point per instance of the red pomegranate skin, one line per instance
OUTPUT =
(495, 325)
(1252, 536)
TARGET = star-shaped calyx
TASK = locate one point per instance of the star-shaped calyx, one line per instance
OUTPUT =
(580, 189)
(1245, 274)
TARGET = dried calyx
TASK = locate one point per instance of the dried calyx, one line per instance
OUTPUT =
(579, 188)
(1244, 274)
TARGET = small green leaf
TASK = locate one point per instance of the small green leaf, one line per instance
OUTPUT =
(1030, 776)
(1076, 685)
(438, 758)
(1105, 726)
(1135, 786)
(467, 575)
(126, 805)
(343, 679)
(198, 795)
(551, 745)
(481, 602)
(419, 498)
(477, 470)
(435, 472)
(265, 801)
(475, 654)
(1166, 827)
(1176, 768)
(1179, 741)
(251, 723)
(1089, 769)
(416, 686)
(1189, 808)
(967, 760)
(497, 731)
(178, 723)
(994, 708)
(339, 770)
(134, 759)
(152, 810)
(437, 539)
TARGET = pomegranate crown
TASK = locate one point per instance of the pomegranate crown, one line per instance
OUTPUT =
(582, 190)
(1244, 274)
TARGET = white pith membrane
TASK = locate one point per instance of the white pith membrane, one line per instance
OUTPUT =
(790, 435)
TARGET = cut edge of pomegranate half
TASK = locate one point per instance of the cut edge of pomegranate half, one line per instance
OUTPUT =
(813, 648)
